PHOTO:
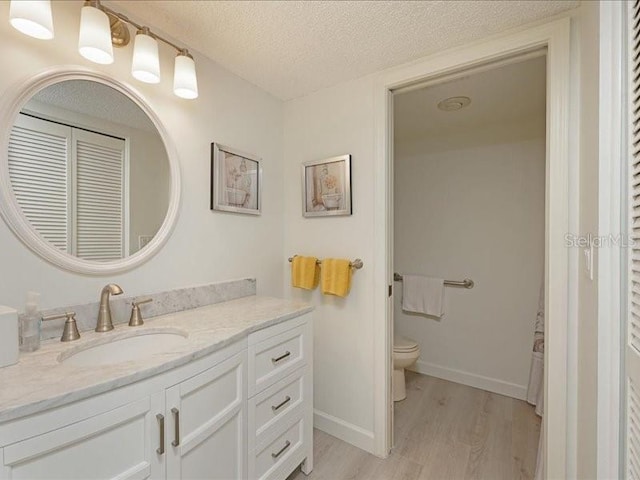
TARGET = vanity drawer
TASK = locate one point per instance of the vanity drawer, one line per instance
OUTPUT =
(277, 357)
(277, 456)
(273, 405)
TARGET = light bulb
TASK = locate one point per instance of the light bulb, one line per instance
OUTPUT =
(146, 64)
(32, 18)
(185, 82)
(95, 35)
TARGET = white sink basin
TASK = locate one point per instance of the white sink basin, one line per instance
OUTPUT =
(124, 349)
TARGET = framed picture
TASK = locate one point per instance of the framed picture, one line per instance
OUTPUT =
(326, 187)
(236, 180)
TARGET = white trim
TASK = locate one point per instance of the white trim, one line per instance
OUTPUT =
(561, 190)
(127, 197)
(10, 105)
(610, 188)
(346, 431)
(489, 384)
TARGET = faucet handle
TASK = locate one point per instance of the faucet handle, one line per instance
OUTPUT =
(70, 331)
(136, 316)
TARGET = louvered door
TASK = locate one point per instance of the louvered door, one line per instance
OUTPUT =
(39, 165)
(71, 186)
(632, 344)
(99, 199)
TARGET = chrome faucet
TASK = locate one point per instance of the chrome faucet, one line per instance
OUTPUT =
(104, 314)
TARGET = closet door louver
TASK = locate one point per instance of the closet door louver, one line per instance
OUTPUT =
(632, 348)
(38, 167)
(99, 196)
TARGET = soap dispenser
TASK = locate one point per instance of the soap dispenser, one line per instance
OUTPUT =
(29, 323)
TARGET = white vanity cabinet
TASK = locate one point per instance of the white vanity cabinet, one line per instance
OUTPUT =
(193, 429)
(280, 399)
(112, 444)
(207, 427)
(244, 411)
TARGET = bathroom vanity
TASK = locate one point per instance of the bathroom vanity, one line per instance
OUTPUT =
(218, 392)
(223, 391)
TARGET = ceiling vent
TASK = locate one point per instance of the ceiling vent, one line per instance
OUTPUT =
(452, 104)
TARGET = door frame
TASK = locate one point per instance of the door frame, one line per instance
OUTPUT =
(613, 214)
(561, 217)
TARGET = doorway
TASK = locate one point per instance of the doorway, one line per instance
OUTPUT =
(560, 217)
(469, 210)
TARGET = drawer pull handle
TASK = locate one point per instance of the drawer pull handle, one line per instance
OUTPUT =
(275, 408)
(160, 449)
(281, 451)
(281, 357)
(176, 422)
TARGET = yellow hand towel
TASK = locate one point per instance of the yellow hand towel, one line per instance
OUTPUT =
(305, 272)
(336, 276)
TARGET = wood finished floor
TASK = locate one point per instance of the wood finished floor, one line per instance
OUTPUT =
(443, 430)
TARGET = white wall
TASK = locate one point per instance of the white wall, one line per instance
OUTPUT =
(471, 205)
(205, 246)
(333, 122)
(149, 183)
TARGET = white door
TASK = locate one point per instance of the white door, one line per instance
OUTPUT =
(79, 178)
(206, 424)
(39, 160)
(99, 196)
(632, 343)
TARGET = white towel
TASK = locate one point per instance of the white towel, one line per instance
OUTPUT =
(423, 295)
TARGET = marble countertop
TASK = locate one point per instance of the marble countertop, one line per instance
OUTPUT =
(39, 381)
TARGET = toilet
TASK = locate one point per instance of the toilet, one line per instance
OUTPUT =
(405, 354)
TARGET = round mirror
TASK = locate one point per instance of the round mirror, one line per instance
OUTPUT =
(89, 181)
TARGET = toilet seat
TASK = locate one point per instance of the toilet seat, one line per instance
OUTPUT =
(404, 345)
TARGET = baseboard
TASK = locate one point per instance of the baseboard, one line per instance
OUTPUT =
(346, 431)
(471, 379)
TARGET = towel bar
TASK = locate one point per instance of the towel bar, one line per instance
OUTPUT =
(466, 283)
(357, 263)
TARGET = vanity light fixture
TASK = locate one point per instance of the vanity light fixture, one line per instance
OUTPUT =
(185, 82)
(102, 28)
(146, 64)
(32, 18)
(94, 42)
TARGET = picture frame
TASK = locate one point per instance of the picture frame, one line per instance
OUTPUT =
(236, 181)
(326, 187)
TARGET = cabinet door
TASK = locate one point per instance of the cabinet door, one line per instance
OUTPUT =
(120, 443)
(206, 424)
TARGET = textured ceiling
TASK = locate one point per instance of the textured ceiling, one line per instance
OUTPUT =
(95, 100)
(498, 96)
(292, 48)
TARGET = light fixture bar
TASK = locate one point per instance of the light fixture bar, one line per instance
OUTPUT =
(102, 28)
(126, 19)
(145, 66)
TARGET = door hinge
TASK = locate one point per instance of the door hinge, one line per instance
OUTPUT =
(390, 290)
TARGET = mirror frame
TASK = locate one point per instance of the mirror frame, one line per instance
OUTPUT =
(10, 106)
